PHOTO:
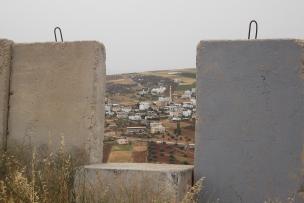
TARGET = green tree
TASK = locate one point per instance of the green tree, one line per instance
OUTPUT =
(178, 130)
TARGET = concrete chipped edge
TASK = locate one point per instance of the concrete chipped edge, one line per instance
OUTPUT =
(63, 44)
(300, 43)
(5, 69)
(144, 167)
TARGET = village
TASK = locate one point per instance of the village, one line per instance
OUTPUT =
(156, 124)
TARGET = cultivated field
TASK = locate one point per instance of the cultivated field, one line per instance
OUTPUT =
(123, 90)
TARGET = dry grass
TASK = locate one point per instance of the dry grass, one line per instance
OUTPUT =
(123, 99)
(123, 81)
(192, 195)
(50, 179)
(139, 153)
(140, 146)
(120, 157)
(184, 80)
(47, 179)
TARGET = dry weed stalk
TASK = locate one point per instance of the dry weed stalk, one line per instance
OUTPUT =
(192, 195)
(49, 178)
(46, 179)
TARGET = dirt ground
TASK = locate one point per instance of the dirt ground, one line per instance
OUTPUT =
(135, 153)
(120, 156)
(163, 153)
(187, 130)
(123, 99)
(139, 153)
(123, 81)
(106, 152)
(184, 80)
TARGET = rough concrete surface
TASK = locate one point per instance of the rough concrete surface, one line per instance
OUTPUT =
(5, 65)
(58, 91)
(249, 136)
(142, 182)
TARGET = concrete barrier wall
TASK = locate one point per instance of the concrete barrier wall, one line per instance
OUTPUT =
(57, 90)
(5, 60)
(134, 182)
(250, 131)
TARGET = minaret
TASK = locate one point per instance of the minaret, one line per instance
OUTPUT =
(170, 94)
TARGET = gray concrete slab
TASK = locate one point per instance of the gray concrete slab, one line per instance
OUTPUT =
(58, 91)
(250, 131)
(5, 67)
(139, 182)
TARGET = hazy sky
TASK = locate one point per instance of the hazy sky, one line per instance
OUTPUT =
(144, 35)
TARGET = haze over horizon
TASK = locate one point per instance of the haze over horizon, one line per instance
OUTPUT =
(149, 35)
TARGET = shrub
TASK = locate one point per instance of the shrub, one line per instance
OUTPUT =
(48, 179)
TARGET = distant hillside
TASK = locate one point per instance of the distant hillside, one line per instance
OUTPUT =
(178, 79)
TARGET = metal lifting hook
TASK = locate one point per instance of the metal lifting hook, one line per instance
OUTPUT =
(256, 29)
(55, 29)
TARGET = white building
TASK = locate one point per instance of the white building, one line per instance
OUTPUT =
(157, 91)
(193, 100)
(144, 106)
(136, 130)
(187, 94)
(175, 107)
(135, 118)
(121, 114)
(126, 109)
(122, 141)
(176, 119)
(164, 99)
(187, 113)
(115, 107)
(143, 92)
(109, 113)
(157, 127)
(188, 105)
(108, 107)
(173, 114)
